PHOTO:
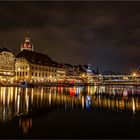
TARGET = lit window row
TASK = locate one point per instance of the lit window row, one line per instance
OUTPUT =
(42, 69)
(6, 68)
(21, 73)
(22, 67)
(42, 74)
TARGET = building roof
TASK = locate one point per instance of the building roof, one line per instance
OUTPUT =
(38, 58)
(4, 49)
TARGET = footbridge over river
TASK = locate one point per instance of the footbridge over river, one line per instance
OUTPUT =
(121, 79)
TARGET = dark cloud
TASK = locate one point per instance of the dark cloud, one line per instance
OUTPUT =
(105, 34)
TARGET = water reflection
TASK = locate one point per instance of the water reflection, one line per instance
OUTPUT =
(17, 101)
(25, 124)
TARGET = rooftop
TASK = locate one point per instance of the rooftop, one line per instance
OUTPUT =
(4, 49)
(38, 58)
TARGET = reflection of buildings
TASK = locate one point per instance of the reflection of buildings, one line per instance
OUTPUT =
(7, 64)
(16, 101)
(25, 124)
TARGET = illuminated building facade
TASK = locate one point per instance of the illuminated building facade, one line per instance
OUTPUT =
(37, 67)
(7, 64)
(27, 45)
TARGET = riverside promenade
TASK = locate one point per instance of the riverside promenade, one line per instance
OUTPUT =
(45, 84)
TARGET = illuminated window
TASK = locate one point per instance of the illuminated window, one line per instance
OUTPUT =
(42, 74)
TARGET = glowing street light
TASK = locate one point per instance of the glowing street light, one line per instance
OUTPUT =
(134, 74)
(83, 75)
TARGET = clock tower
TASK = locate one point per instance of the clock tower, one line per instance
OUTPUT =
(27, 45)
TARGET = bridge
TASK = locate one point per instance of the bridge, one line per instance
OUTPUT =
(121, 79)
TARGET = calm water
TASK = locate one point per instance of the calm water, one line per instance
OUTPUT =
(70, 112)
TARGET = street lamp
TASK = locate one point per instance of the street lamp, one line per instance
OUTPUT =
(134, 74)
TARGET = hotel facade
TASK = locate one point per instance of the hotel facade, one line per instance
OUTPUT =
(7, 65)
(36, 67)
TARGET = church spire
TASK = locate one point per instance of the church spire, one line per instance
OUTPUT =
(27, 45)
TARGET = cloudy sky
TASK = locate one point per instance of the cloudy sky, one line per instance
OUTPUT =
(104, 34)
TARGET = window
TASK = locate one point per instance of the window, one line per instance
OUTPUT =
(26, 73)
(36, 74)
(46, 75)
(32, 74)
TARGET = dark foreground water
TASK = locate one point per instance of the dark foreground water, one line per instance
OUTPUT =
(74, 112)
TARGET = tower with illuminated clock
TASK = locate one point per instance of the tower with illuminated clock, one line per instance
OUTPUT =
(27, 45)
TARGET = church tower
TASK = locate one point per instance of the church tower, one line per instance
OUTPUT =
(27, 45)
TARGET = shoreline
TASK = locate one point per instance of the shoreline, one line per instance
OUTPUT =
(47, 84)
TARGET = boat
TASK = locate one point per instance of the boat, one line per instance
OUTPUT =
(25, 84)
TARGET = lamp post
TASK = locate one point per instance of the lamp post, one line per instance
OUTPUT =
(134, 77)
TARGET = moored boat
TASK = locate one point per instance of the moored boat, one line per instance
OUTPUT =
(25, 84)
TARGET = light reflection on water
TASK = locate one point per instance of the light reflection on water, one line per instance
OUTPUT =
(16, 101)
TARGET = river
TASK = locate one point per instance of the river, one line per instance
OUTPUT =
(70, 112)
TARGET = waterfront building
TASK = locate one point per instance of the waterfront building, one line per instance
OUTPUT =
(70, 70)
(7, 65)
(37, 67)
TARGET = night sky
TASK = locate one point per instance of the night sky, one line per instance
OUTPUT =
(104, 34)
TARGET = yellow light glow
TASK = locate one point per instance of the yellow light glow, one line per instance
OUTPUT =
(83, 75)
(134, 74)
